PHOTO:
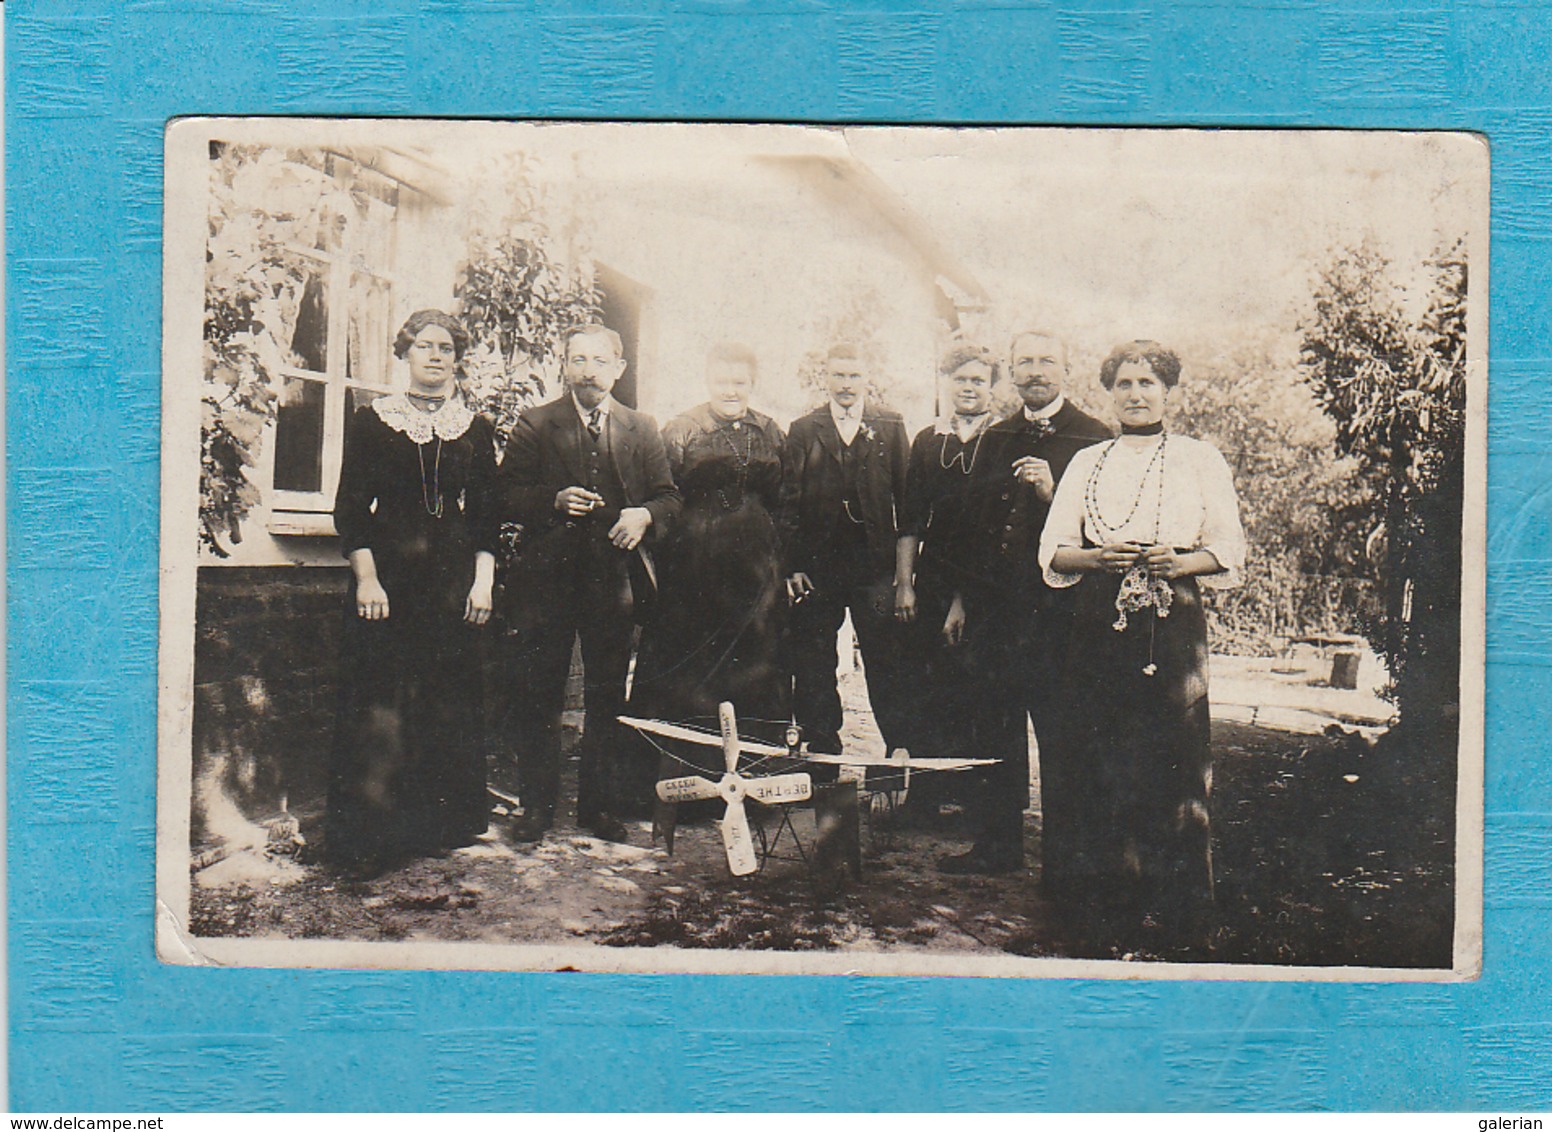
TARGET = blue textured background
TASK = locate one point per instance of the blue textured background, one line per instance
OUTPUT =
(97, 1023)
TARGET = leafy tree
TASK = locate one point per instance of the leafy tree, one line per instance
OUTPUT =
(860, 321)
(1394, 383)
(522, 287)
(1305, 568)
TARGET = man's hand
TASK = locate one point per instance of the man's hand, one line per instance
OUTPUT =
(905, 602)
(799, 587)
(631, 528)
(371, 600)
(577, 501)
(954, 623)
(1036, 472)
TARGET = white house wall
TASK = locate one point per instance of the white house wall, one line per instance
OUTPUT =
(740, 250)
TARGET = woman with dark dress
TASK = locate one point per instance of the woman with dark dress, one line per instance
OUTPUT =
(716, 631)
(1138, 525)
(943, 456)
(414, 515)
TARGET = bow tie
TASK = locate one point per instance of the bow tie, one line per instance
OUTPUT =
(1041, 427)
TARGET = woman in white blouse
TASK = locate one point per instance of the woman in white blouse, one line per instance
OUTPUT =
(1137, 525)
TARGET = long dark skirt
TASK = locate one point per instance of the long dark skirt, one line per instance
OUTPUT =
(944, 694)
(715, 634)
(408, 773)
(1139, 832)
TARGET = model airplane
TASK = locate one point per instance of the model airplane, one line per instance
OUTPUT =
(775, 789)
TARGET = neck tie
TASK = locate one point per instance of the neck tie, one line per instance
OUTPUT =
(594, 426)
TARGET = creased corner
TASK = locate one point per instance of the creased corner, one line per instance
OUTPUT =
(173, 942)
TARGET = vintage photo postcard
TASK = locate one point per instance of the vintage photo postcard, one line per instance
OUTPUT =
(753, 548)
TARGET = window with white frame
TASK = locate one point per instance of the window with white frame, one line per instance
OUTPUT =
(339, 355)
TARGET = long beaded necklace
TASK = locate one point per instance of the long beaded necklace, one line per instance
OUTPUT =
(741, 460)
(432, 496)
(1104, 531)
(1139, 589)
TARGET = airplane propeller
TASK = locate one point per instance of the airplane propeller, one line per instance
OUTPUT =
(734, 788)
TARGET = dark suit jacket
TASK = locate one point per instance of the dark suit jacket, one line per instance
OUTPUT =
(1005, 516)
(812, 489)
(544, 455)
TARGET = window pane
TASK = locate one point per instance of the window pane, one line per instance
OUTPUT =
(310, 333)
(371, 234)
(366, 359)
(331, 230)
(299, 436)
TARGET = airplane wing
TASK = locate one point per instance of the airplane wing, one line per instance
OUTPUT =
(747, 746)
(897, 764)
(695, 735)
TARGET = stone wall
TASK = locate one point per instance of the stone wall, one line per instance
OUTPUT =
(266, 659)
(266, 685)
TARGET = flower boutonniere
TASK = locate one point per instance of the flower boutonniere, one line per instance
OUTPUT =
(867, 432)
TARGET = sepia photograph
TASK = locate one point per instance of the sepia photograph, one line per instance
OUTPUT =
(670, 547)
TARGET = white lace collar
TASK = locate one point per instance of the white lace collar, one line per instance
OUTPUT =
(448, 423)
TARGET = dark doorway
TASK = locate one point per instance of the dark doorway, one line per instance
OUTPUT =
(621, 301)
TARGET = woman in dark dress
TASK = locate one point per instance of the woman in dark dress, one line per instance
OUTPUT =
(716, 632)
(943, 456)
(1138, 525)
(414, 514)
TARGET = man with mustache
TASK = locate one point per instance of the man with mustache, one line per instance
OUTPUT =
(588, 480)
(843, 485)
(1011, 620)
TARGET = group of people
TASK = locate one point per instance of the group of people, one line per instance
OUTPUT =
(1000, 574)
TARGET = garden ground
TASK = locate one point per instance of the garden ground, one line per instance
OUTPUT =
(1330, 849)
